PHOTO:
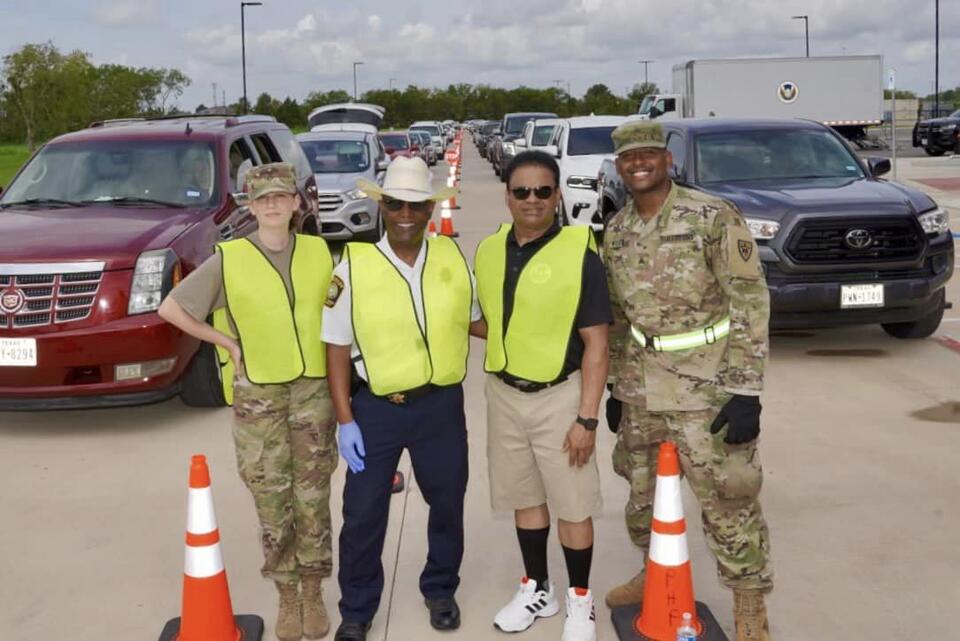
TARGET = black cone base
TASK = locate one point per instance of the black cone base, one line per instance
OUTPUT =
(624, 616)
(251, 628)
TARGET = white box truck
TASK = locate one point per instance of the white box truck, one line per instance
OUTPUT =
(844, 92)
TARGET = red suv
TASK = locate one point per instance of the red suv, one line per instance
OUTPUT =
(95, 230)
(398, 143)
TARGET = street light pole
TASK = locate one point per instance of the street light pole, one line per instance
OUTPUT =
(243, 48)
(645, 63)
(355, 65)
(806, 29)
(936, 61)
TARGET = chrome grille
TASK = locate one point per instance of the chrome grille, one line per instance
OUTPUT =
(50, 296)
(329, 202)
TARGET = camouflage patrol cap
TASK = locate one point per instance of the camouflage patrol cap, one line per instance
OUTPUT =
(274, 178)
(636, 134)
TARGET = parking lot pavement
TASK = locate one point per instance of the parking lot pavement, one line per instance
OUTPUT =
(860, 441)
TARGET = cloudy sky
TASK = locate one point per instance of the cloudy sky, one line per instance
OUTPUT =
(297, 46)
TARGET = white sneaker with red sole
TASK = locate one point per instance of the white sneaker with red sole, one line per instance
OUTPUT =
(529, 603)
(581, 623)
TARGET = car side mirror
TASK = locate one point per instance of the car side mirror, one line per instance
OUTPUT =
(552, 150)
(520, 143)
(654, 113)
(415, 148)
(382, 165)
(677, 174)
(878, 166)
(241, 198)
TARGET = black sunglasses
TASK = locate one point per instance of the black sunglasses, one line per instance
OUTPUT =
(395, 204)
(522, 193)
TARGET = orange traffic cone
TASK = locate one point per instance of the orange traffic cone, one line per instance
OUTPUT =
(207, 614)
(668, 587)
(432, 230)
(452, 203)
(446, 221)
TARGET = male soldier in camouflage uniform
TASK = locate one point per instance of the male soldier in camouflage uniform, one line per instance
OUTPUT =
(689, 344)
(283, 427)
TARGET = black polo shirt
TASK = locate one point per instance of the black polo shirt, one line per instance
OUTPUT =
(593, 308)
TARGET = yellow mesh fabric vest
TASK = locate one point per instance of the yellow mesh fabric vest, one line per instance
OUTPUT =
(280, 338)
(397, 353)
(545, 303)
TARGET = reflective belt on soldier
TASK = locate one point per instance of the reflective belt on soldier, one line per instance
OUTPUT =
(687, 340)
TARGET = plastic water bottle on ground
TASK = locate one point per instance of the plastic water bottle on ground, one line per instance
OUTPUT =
(686, 631)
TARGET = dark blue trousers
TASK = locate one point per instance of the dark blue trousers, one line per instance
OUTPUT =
(433, 429)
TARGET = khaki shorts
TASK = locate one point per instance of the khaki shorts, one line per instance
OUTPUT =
(525, 457)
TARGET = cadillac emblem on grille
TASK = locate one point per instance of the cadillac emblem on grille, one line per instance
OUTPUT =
(11, 300)
(858, 239)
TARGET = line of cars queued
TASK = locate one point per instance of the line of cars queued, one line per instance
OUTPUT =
(839, 244)
(100, 224)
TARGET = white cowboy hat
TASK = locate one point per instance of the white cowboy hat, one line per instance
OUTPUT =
(407, 179)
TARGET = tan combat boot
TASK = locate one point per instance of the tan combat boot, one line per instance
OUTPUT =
(288, 618)
(630, 593)
(750, 616)
(316, 624)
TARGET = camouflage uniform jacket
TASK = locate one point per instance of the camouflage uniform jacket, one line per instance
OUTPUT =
(687, 268)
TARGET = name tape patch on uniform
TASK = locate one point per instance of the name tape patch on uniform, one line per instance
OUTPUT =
(333, 294)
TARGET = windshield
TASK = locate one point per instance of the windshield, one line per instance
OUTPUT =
(515, 124)
(397, 141)
(336, 156)
(955, 114)
(430, 129)
(589, 141)
(773, 155)
(176, 172)
(489, 127)
(541, 135)
(646, 104)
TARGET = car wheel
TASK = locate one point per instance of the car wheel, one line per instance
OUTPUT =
(933, 151)
(201, 386)
(920, 328)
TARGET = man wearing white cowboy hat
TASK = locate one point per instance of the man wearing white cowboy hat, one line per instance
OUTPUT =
(399, 313)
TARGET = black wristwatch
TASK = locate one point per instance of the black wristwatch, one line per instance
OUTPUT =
(589, 423)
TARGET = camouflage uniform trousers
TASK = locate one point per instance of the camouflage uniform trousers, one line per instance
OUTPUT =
(726, 480)
(285, 439)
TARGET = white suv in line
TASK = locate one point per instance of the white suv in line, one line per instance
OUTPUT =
(536, 135)
(580, 145)
(437, 136)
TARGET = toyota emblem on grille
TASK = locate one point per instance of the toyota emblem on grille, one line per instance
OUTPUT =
(11, 300)
(858, 239)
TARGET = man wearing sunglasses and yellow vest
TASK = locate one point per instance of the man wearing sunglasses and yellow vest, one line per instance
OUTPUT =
(688, 352)
(272, 286)
(399, 313)
(544, 297)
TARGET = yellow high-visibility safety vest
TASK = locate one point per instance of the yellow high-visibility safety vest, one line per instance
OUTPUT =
(397, 352)
(227, 370)
(280, 338)
(534, 345)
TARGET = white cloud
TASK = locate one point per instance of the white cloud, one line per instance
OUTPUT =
(126, 13)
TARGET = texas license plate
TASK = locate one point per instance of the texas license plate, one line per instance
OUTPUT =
(18, 352)
(861, 296)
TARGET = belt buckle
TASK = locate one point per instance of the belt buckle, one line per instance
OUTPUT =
(398, 398)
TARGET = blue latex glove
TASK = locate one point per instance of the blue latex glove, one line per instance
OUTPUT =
(350, 441)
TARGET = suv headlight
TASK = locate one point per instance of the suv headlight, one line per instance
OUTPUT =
(762, 229)
(509, 148)
(936, 221)
(156, 273)
(355, 194)
(582, 182)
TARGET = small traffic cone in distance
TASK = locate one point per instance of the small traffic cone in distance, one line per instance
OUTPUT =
(432, 230)
(452, 203)
(206, 611)
(668, 587)
(446, 222)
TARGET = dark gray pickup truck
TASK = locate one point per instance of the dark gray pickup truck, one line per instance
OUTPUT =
(839, 245)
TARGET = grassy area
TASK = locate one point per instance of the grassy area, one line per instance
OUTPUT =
(11, 157)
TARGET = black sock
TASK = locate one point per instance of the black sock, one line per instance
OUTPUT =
(533, 548)
(578, 566)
